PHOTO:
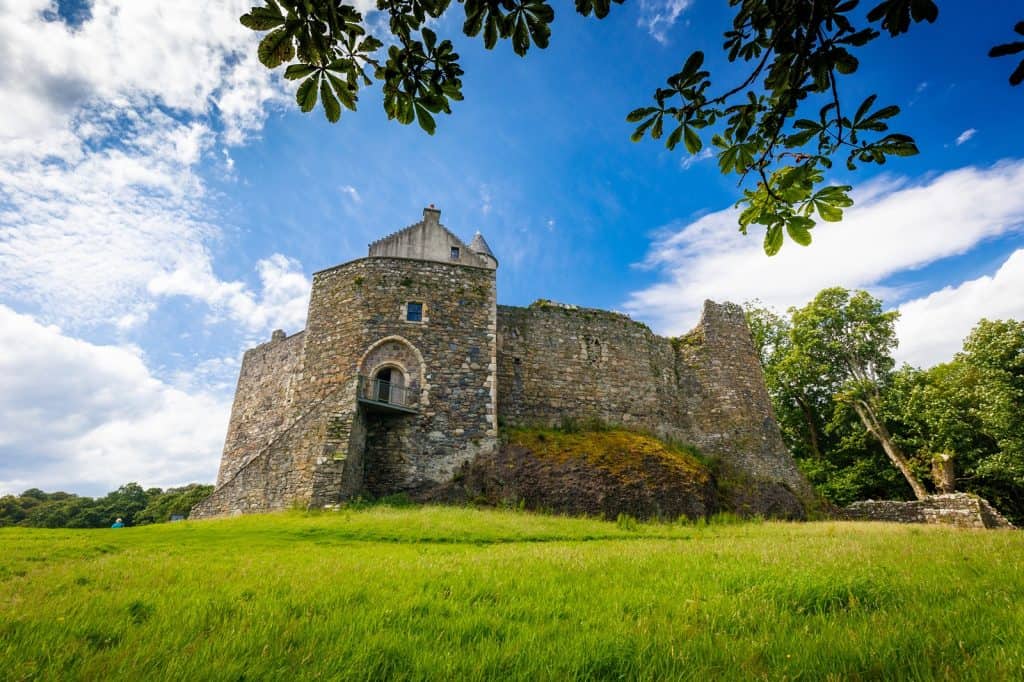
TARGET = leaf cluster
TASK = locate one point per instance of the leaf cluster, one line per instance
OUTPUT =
(1007, 49)
(335, 56)
(798, 51)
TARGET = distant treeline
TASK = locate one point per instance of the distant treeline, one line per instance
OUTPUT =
(131, 502)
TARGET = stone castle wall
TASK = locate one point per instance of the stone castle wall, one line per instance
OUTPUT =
(301, 436)
(359, 304)
(707, 388)
(263, 400)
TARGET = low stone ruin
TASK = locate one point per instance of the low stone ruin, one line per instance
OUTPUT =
(960, 510)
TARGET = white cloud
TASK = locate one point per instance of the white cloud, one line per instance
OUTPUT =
(352, 193)
(101, 204)
(486, 200)
(658, 16)
(931, 329)
(185, 55)
(965, 136)
(282, 302)
(689, 160)
(896, 226)
(87, 418)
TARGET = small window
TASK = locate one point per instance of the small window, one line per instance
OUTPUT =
(414, 312)
(455, 253)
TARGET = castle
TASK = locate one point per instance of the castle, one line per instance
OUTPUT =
(407, 366)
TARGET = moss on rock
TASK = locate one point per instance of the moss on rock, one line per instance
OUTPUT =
(595, 473)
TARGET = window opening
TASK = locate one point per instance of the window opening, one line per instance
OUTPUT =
(414, 312)
(455, 253)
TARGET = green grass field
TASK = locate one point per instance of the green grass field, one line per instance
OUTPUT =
(447, 593)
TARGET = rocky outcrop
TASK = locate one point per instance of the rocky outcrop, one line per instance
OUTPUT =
(602, 474)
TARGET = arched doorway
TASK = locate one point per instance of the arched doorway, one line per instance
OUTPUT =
(389, 386)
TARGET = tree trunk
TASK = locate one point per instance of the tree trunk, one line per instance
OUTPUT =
(944, 473)
(812, 430)
(877, 429)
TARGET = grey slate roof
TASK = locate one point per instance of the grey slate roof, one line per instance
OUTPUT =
(479, 245)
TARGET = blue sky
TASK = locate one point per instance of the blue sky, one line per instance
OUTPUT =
(163, 205)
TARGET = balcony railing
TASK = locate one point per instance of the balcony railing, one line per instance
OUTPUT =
(386, 396)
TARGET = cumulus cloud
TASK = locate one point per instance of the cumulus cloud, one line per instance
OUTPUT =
(187, 55)
(896, 226)
(85, 417)
(658, 16)
(281, 301)
(102, 208)
(931, 329)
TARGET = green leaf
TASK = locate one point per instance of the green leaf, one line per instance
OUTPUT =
(693, 62)
(404, 111)
(332, 109)
(674, 137)
(425, 120)
(830, 213)
(727, 159)
(657, 127)
(521, 38)
(1017, 77)
(845, 62)
(798, 228)
(639, 114)
(693, 141)
(262, 19)
(276, 48)
(1006, 49)
(491, 31)
(898, 145)
(345, 94)
(297, 71)
(638, 134)
(773, 239)
(306, 94)
(864, 107)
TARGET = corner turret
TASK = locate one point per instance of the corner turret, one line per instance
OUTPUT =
(479, 247)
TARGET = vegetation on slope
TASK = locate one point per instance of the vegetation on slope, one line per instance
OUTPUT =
(618, 451)
(447, 593)
(590, 470)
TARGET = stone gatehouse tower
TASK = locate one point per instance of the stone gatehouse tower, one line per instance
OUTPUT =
(407, 362)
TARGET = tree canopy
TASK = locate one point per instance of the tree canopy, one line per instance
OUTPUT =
(845, 410)
(778, 130)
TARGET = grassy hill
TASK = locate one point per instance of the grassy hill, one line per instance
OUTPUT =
(441, 593)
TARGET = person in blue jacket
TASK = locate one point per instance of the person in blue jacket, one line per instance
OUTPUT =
(119, 523)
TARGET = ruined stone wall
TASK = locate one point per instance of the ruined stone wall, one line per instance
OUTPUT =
(960, 510)
(706, 388)
(263, 400)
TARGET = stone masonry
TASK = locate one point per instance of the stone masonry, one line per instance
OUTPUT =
(960, 510)
(407, 364)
